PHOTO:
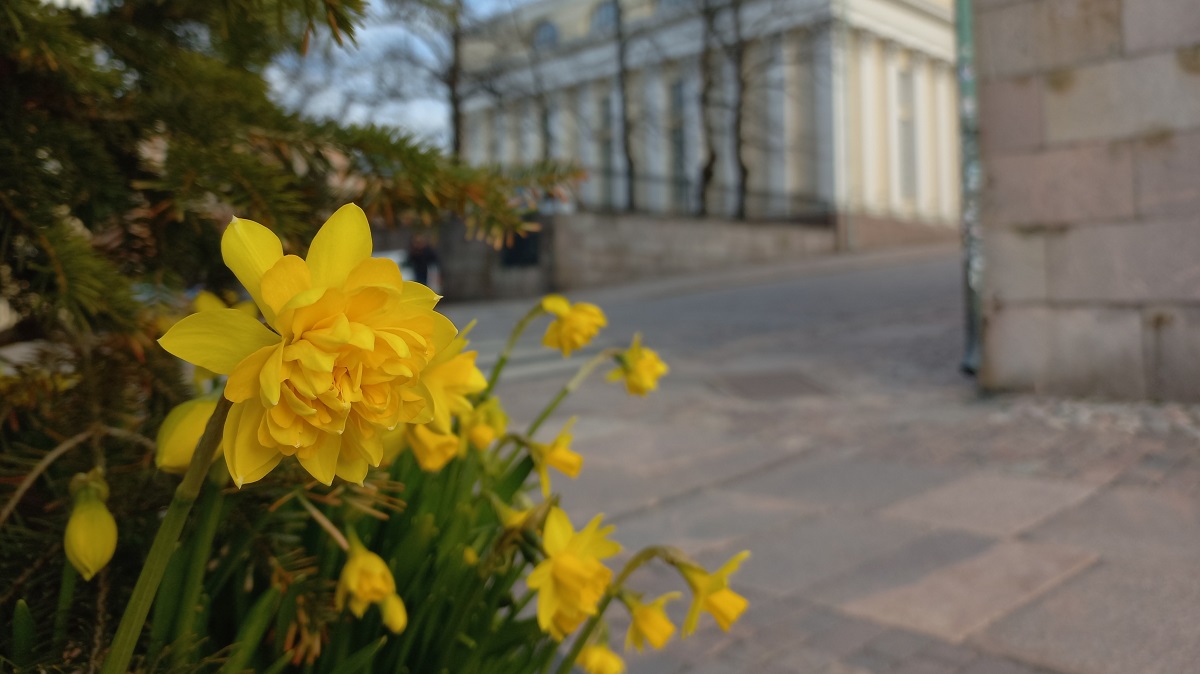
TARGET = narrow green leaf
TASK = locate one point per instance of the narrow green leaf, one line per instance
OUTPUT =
(22, 640)
(360, 659)
(251, 632)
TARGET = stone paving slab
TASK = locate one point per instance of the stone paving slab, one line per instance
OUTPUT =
(992, 504)
(905, 565)
(1133, 524)
(709, 518)
(790, 559)
(960, 599)
(1118, 618)
(854, 484)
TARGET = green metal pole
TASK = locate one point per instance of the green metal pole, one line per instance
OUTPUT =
(972, 181)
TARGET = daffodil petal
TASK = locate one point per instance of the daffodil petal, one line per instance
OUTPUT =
(342, 243)
(179, 433)
(248, 459)
(217, 340)
(557, 532)
(321, 462)
(288, 277)
(249, 250)
(207, 301)
(243, 382)
(375, 271)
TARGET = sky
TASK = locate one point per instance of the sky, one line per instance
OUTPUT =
(343, 83)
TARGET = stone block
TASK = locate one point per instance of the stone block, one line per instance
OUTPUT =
(1006, 41)
(1070, 32)
(1159, 24)
(1086, 183)
(1152, 261)
(1010, 114)
(1167, 167)
(1096, 352)
(959, 600)
(1173, 343)
(1121, 99)
(1016, 348)
(1015, 267)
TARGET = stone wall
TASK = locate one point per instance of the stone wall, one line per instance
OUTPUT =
(1090, 122)
(594, 249)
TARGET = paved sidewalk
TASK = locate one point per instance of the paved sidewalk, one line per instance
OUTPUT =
(898, 522)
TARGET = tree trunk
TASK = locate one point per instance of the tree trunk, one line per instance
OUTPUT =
(738, 56)
(626, 122)
(454, 82)
(708, 170)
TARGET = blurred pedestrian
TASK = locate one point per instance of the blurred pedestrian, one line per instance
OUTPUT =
(421, 256)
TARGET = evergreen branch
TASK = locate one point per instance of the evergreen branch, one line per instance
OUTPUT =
(50, 457)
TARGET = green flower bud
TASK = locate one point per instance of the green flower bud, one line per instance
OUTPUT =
(91, 535)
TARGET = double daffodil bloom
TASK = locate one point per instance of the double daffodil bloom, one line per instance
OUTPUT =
(649, 622)
(365, 580)
(710, 592)
(640, 368)
(571, 579)
(574, 325)
(179, 434)
(600, 659)
(558, 455)
(339, 361)
(91, 536)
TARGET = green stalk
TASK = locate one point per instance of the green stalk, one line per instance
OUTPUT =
(193, 583)
(576, 381)
(518, 329)
(66, 598)
(134, 617)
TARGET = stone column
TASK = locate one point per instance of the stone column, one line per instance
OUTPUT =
(777, 132)
(830, 98)
(869, 119)
(653, 172)
(891, 69)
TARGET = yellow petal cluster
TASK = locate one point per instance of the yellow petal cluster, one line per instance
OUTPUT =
(339, 361)
(640, 368)
(91, 536)
(574, 325)
(558, 455)
(571, 580)
(179, 434)
(710, 592)
(432, 450)
(600, 659)
(450, 378)
(649, 622)
(485, 423)
(365, 580)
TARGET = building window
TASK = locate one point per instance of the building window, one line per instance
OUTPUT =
(906, 127)
(545, 36)
(604, 18)
(678, 139)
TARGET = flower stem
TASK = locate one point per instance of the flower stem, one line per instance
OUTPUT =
(134, 618)
(570, 387)
(518, 329)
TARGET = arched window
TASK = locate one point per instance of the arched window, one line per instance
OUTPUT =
(604, 18)
(545, 36)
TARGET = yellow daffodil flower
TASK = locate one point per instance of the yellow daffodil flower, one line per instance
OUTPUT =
(450, 377)
(432, 450)
(600, 659)
(571, 579)
(339, 361)
(365, 580)
(574, 325)
(640, 368)
(558, 455)
(649, 622)
(485, 423)
(395, 616)
(710, 592)
(179, 434)
(91, 536)
(208, 301)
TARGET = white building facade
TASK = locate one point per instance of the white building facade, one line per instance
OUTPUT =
(848, 107)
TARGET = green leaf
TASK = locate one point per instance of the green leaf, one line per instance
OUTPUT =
(252, 631)
(22, 653)
(360, 659)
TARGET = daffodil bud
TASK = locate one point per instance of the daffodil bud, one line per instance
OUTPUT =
(180, 433)
(395, 616)
(365, 580)
(91, 535)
